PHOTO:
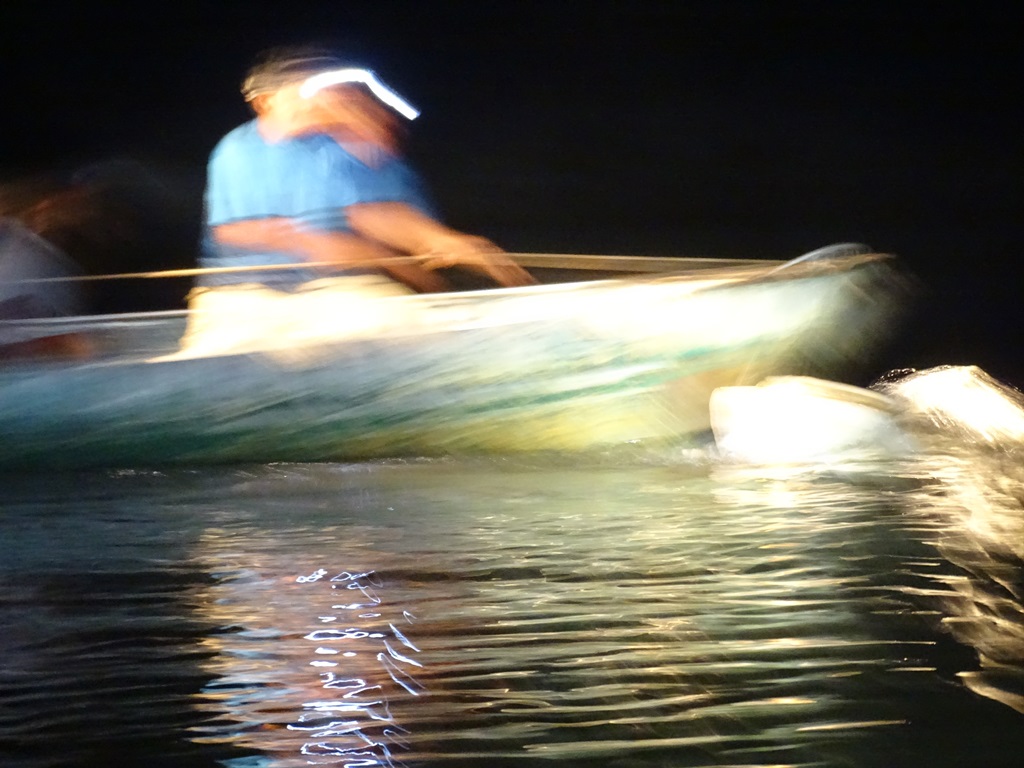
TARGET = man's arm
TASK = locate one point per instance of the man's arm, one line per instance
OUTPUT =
(279, 233)
(346, 250)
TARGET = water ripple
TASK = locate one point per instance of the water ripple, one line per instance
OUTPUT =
(475, 613)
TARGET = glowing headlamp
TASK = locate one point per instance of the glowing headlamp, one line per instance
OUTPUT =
(355, 75)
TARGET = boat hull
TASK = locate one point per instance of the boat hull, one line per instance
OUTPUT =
(569, 367)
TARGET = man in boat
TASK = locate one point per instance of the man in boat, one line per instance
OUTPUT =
(113, 216)
(33, 286)
(317, 177)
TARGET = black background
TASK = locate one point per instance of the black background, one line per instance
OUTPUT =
(729, 128)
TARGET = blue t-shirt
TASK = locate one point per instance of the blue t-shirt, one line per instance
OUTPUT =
(309, 179)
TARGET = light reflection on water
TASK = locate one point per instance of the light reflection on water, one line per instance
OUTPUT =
(499, 613)
(974, 518)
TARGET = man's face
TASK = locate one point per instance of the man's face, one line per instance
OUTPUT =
(350, 112)
(294, 114)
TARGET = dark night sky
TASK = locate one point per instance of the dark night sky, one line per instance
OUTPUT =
(690, 128)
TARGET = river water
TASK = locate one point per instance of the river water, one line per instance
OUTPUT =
(635, 612)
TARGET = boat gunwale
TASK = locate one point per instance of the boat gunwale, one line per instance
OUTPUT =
(653, 269)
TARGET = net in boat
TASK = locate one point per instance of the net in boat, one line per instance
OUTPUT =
(254, 318)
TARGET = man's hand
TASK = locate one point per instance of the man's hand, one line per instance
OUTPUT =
(434, 245)
(477, 253)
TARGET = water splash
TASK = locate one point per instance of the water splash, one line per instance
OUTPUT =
(962, 450)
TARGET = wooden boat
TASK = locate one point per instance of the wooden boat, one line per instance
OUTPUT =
(606, 351)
